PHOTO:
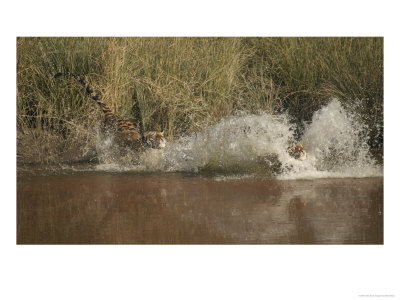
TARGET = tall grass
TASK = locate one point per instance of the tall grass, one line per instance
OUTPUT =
(181, 84)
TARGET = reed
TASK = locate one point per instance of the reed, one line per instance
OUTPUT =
(182, 84)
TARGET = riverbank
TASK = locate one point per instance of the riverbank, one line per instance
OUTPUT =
(183, 85)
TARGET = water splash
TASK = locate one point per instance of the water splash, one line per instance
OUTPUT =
(255, 145)
(336, 143)
(236, 144)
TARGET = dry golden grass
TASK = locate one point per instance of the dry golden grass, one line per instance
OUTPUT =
(181, 84)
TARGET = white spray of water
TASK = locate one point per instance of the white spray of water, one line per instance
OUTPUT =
(244, 144)
(336, 143)
(235, 144)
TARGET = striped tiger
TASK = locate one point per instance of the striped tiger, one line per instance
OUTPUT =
(126, 132)
(297, 151)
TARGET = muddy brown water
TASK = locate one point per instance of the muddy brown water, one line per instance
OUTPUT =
(123, 208)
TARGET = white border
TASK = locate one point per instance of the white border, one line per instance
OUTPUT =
(199, 272)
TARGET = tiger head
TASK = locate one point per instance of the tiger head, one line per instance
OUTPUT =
(155, 139)
(297, 151)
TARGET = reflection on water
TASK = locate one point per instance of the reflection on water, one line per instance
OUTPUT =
(105, 208)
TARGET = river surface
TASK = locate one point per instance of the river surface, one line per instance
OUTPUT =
(178, 208)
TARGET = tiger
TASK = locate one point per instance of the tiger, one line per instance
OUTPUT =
(297, 151)
(126, 133)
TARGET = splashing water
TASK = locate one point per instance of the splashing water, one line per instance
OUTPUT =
(248, 144)
(336, 143)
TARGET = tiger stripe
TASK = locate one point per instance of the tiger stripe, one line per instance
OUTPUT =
(129, 132)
